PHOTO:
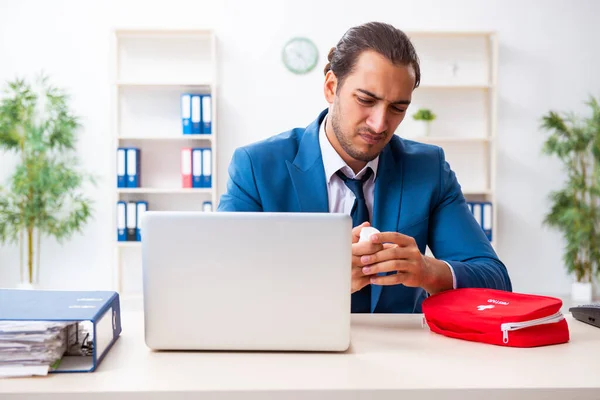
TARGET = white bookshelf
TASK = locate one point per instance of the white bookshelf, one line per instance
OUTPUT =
(459, 84)
(152, 68)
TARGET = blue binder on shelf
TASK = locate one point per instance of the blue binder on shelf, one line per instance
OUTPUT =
(196, 114)
(121, 221)
(206, 114)
(196, 168)
(478, 213)
(206, 168)
(186, 111)
(141, 208)
(487, 219)
(207, 206)
(121, 167)
(96, 318)
(131, 221)
(133, 165)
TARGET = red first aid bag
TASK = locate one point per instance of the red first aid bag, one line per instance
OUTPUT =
(497, 317)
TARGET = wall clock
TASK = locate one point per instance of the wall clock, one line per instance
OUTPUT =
(300, 55)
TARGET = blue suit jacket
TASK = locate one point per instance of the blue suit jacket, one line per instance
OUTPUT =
(416, 193)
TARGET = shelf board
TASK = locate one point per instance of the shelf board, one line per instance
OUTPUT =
(161, 33)
(473, 191)
(129, 244)
(450, 139)
(449, 34)
(165, 85)
(456, 87)
(166, 190)
(163, 138)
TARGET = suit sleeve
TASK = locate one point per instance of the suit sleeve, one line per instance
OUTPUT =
(242, 192)
(456, 237)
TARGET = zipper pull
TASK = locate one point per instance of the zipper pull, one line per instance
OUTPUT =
(505, 336)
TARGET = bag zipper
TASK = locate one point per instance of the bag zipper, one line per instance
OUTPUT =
(513, 326)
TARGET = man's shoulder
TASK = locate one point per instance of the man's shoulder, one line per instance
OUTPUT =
(281, 144)
(413, 149)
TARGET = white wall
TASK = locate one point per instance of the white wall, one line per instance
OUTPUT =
(549, 58)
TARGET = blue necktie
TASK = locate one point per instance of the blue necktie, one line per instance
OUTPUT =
(361, 300)
(360, 212)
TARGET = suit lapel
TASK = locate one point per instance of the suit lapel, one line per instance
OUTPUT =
(388, 198)
(307, 172)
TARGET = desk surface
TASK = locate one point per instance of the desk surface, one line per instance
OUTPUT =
(390, 355)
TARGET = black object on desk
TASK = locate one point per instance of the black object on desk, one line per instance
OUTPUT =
(588, 313)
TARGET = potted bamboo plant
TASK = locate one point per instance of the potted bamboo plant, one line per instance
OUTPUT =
(575, 209)
(43, 196)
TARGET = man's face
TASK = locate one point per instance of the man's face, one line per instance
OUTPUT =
(370, 104)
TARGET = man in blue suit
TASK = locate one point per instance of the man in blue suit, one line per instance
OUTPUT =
(349, 160)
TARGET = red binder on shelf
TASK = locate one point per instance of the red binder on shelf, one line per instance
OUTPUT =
(186, 167)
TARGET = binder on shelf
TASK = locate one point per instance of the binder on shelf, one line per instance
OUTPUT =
(141, 208)
(89, 323)
(121, 167)
(206, 168)
(206, 114)
(133, 167)
(186, 167)
(131, 221)
(207, 206)
(186, 110)
(486, 219)
(121, 221)
(196, 114)
(197, 168)
(477, 213)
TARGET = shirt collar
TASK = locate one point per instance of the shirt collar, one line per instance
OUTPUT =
(333, 162)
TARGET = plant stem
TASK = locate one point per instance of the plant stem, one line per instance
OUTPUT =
(30, 252)
(37, 255)
(21, 266)
(583, 199)
(20, 204)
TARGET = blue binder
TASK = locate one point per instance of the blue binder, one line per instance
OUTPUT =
(470, 206)
(121, 167)
(142, 207)
(197, 168)
(186, 111)
(131, 221)
(487, 219)
(196, 114)
(207, 206)
(133, 167)
(121, 221)
(98, 310)
(206, 114)
(206, 168)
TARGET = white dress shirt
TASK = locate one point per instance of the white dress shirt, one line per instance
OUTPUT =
(341, 198)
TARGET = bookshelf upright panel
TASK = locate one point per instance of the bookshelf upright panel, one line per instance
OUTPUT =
(459, 85)
(152, 70)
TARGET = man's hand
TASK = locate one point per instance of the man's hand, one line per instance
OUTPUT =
(401, 255)
(359, 279)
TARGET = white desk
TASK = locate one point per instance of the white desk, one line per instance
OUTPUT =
(391, 357)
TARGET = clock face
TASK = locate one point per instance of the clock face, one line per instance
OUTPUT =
(300, 55)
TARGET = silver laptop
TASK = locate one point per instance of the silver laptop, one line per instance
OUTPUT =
(246, 281)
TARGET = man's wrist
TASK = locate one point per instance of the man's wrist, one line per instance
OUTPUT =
(439, 276)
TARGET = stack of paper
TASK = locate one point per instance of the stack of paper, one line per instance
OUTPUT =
(33, 347)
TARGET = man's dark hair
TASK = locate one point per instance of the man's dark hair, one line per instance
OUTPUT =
(383, 38)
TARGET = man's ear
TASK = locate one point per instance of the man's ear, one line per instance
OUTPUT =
(330, 86)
